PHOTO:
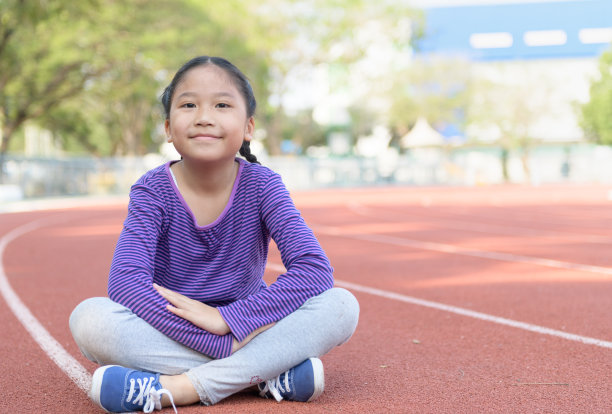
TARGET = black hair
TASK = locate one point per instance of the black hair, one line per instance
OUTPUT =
(239, 79)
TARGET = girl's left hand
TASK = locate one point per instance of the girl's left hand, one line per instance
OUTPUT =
(200, 314)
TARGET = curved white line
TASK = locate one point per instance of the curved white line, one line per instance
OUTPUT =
(82, 378)
(75, 371)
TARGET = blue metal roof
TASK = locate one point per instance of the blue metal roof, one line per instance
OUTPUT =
(455, 30)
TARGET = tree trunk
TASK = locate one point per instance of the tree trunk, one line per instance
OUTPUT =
(525, 163)
(275, 131)
(504, 164)
(6, 132)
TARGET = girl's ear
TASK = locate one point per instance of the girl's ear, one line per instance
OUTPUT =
(250, 128)
(167, 128)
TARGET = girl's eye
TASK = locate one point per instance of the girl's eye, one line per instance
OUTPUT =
(188, 105)
(222, 105)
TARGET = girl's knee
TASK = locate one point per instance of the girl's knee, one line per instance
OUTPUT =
(345, 300)
(345, 307)
(84, 316)
(87, 323)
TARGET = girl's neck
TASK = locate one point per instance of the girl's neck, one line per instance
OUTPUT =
(208, 178)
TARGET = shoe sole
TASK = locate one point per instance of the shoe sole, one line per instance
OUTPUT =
(319, 376)
(96, 385)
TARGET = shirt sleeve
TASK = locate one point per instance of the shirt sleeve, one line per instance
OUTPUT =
(308, 274)
(132, 274)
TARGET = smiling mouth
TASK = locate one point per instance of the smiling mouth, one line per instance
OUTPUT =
(204, 137)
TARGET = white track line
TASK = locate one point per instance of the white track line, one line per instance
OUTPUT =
(451, 249)
(82, 378)
(463, 312)
(75, 371)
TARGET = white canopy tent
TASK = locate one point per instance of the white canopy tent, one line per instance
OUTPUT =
(422, 135)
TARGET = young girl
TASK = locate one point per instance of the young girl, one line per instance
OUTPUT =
(189, 317)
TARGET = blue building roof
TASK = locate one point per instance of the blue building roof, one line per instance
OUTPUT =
(564, 29)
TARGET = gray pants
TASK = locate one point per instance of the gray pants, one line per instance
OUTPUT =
(108, 333)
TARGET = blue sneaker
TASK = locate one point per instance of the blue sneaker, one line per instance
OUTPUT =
(304, 382)
(117, 389)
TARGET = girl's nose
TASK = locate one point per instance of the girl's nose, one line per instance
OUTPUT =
(204, 117)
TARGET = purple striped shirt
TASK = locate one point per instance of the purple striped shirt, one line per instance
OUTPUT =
(221, 264)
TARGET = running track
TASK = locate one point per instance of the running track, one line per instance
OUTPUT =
(473, 300)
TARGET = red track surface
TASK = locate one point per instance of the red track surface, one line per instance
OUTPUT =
(478, 249)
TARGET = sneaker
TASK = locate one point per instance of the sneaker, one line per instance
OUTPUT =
(117, 389)
(304, 382)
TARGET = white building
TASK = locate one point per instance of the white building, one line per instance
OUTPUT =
(538, 56)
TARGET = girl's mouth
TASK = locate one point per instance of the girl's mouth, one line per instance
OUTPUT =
(205, 137)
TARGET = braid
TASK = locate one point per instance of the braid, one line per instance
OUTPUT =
(245, 151)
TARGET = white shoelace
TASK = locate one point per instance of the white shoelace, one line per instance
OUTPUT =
(153, 396)
(273, 385)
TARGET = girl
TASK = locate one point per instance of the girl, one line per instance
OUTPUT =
(189, 317)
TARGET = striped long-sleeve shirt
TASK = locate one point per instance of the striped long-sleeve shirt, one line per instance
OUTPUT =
(220, 264)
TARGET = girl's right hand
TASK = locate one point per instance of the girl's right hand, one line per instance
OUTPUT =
(237, 345)
(200, 314)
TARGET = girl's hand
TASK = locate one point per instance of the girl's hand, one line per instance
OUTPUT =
(198, 313)
(237, 345)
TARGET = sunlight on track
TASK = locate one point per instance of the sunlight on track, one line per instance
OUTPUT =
(461, 311)
(81, 377)
(75, 371)
(394, 224)
(452, 249)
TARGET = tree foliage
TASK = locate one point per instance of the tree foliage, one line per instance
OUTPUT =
(434, 89)
(597, 113)
(47, 54)
(91, 71)
(506, 107)
(339, 37)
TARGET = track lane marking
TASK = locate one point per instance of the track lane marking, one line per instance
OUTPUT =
(486, 228)
(462, 311)
(452, 249)
(54, 350)
(82, 378)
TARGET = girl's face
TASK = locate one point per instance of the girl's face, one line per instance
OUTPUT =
(208, 116)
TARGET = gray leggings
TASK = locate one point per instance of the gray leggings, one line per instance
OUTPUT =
(108, 333)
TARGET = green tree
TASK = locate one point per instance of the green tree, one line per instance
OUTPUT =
(597, 113)
(509, 107)
(298, 36)
(434, 89)
(47, 54)
(92, 71)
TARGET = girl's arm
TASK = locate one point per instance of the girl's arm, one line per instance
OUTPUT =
(202, 315)
(131, 276)
(308, 274)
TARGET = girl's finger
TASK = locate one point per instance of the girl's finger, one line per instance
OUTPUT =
(164, 293)
(168, 294)
(175, 310)
(180, 303)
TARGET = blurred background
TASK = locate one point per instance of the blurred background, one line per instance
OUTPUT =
(350, 92)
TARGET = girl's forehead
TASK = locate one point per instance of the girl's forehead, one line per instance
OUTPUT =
(209, 77)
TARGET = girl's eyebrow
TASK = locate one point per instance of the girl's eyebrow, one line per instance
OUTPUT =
(222, 93)
(186, 94)
(215, 95)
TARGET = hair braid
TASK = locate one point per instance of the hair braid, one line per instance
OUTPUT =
(245, 151)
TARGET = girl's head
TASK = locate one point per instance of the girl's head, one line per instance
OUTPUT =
(238, 79)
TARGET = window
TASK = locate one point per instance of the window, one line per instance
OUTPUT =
(495, 40)
(545, 38)
(596, 35)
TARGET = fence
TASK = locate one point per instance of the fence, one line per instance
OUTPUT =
(25, 178)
